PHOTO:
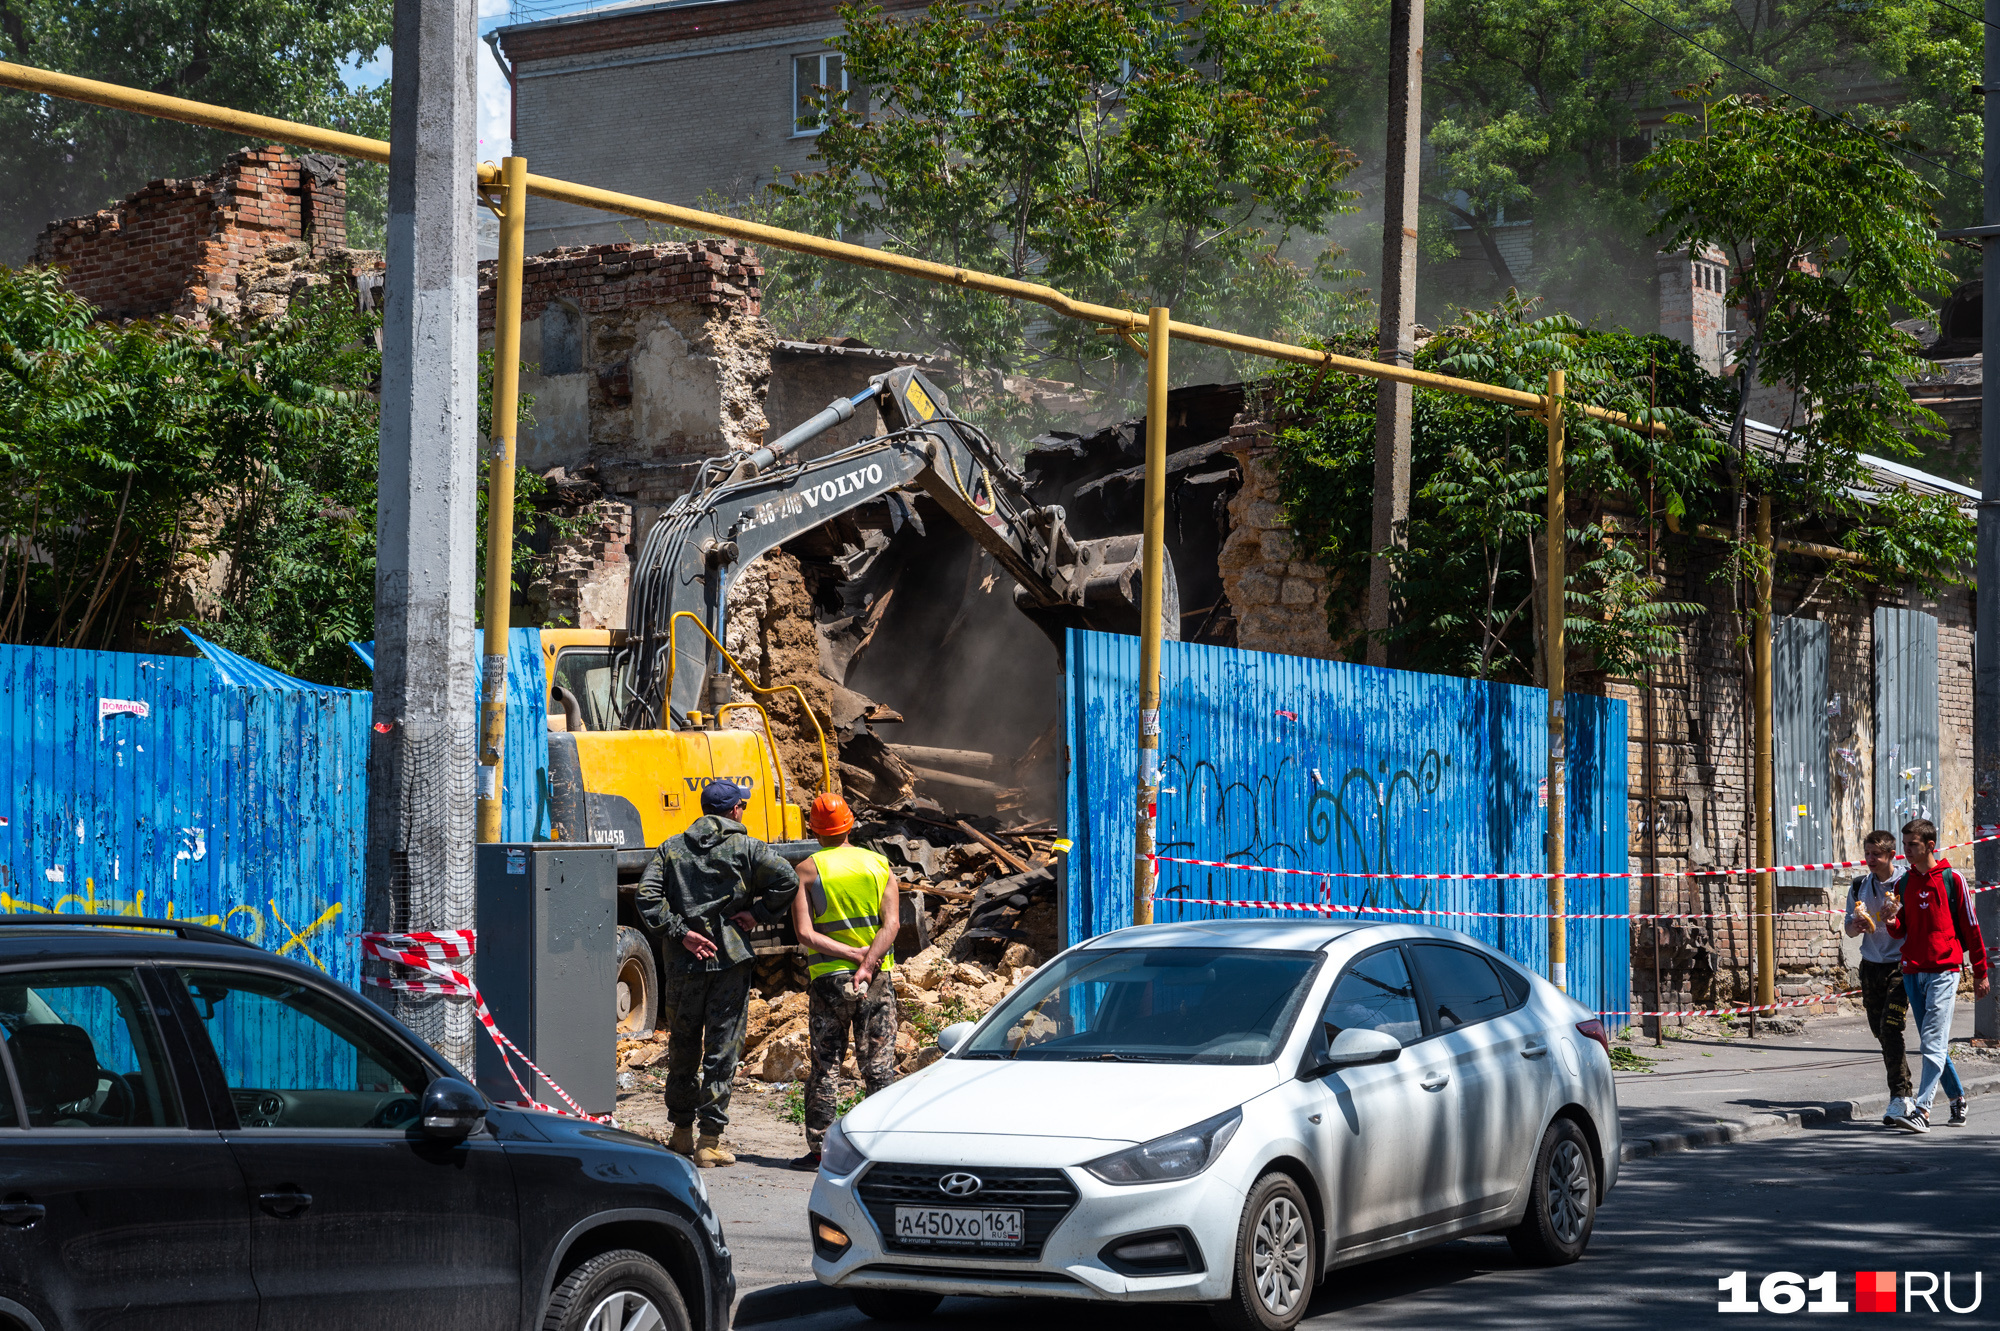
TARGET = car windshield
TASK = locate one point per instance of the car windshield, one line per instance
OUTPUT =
(1151, 1005)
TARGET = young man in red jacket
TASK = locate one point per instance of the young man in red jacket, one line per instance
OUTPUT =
(1939, 936)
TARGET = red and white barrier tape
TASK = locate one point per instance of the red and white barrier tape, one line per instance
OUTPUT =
(1738, 1011)
(1333, 908)
(430, 952)
(1489, 877)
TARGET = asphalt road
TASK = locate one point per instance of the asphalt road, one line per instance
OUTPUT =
(1844, 1198)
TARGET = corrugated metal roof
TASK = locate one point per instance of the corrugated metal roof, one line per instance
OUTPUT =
(241, 672)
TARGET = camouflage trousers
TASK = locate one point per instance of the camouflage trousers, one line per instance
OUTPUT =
(836, 1009)
(1888, 1008)
(704, 1042)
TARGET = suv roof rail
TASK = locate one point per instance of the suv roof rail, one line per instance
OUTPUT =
(186, 929)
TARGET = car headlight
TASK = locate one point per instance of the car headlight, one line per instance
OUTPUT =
(839, 1156)
(1177, 1155)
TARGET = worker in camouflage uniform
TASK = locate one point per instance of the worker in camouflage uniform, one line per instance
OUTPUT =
(845, 917)
(703, 888)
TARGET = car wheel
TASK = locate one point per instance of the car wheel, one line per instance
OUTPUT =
(1276, 1260)
(1562, 1205)
(638, 983)
(896, 1305)
(620, 1290)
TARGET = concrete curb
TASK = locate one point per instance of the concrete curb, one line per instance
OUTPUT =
(1779, 1122)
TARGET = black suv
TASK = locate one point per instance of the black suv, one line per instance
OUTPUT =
(195, 1133)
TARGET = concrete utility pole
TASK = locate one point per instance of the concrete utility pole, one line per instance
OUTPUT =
(421, 759)
(1986, 645)
(1397, 342)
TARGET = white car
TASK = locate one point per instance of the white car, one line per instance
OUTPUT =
(1224, 1112)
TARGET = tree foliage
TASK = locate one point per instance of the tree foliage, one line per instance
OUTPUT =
(276, 57)
(1830, 236)
(1470, 576)
(1534, 109)
(155, 474)
(1117, 149)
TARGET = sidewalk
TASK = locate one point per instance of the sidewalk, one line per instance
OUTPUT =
(1704, 1089)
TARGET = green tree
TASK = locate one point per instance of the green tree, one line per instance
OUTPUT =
(275, 57)
(1830, 237)
(1470, 577)
(140, 460)
(1112, 148)
(1534, 109)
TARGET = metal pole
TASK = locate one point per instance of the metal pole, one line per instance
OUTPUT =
(1986, 613)
(424, 737)
(1150, 592)
(500, 493)
(1552, 650)
(1394, 402)
(1767, 978)
(1653, 790)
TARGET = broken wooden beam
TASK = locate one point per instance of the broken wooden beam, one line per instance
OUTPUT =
(967, 758)
(1001, 852)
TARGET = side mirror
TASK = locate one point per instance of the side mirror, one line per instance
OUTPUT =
(1352, 1048)
(952, 1036)
(453, 1110)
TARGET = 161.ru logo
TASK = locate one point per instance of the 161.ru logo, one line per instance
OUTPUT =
(1874, 1292)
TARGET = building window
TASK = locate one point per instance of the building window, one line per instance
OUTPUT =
(812, 77)
(562, 340)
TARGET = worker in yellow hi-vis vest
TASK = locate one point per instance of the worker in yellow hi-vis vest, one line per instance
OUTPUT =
(845, 918)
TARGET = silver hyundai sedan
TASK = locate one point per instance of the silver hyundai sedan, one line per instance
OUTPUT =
(1223, 1113)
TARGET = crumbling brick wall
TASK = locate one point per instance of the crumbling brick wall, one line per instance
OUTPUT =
(643, 361)
(184, 248)
(1276, 590)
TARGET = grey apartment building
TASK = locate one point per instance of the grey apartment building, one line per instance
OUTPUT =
(672, 101)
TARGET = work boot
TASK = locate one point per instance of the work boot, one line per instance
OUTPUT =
(710, 1153)
(682, 1142)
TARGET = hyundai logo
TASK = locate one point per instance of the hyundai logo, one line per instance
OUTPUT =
(959, 1185)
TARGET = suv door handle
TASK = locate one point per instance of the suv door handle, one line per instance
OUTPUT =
(21, 1213)
(285, 1205)
(1436, 1081)
(1534, 1050)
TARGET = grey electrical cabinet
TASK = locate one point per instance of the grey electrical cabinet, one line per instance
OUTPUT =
(547, 964)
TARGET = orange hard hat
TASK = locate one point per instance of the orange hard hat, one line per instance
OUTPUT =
(830, 815)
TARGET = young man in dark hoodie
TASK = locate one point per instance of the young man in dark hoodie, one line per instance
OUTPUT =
(702, 889)
(1939, 937)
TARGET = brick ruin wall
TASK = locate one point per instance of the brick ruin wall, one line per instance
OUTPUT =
(666, 364)
(194, 249)
(1276, 591)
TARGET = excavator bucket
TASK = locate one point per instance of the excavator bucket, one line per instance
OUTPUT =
(1113, 573)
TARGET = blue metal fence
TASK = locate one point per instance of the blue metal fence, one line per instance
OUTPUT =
(212, 789)
(146, 785)
(1290, 762)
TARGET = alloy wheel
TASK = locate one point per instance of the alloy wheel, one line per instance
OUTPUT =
(1569, 1191)
(1279, 1253)
(625, 1310)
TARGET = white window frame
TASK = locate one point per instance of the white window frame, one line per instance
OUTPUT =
(818, 61)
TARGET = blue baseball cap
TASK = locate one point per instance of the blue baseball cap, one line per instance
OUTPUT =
(722, 796)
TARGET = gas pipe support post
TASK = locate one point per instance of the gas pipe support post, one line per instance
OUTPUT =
(1553, 649)
(1153, 556)
(500, 493)
(1761, 788)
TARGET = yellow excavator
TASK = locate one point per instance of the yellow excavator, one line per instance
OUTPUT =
(637, 716)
